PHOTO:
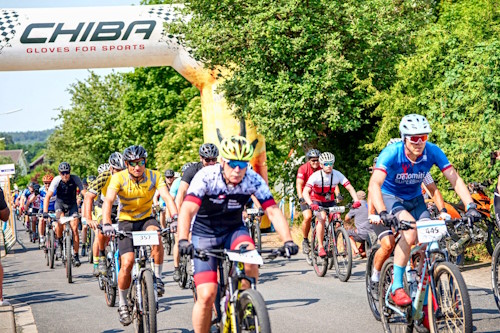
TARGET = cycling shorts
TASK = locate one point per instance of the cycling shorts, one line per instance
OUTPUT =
(68, 210)
(206, 271)
(304, 206)
(126, 244)
(416, 207)
(354, 234)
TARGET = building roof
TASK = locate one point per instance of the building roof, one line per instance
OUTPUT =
(14, 155)
(38, 161)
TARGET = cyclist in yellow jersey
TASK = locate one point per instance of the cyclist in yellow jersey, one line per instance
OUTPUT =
(96, 193)
(135, 186)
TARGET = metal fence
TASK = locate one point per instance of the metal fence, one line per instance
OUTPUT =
(8, 234)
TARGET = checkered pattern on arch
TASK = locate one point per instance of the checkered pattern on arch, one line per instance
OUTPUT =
(166, 14)
(8, 23)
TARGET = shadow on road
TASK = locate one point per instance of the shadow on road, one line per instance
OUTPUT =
(475, 266)
(47, 296)
(290, 303)
(166, 303)
(272, 276)
(176, 330)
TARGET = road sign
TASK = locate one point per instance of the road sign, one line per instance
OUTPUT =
(7, 169)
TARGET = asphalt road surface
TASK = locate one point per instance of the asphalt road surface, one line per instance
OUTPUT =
(297, 300)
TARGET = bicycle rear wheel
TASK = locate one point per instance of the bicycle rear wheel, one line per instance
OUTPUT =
(167, 244)
(320, 264)
(109, 287)
(69, 258)
(342, 254)
(454, 313)
(493, 238)
(372, 287)
(252, 312)
(91, 245)
(391, 320)
(148, 303)
(495, 272)
(51, 248)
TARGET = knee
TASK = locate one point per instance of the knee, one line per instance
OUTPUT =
(206, 296)
(410, 237)
(387, 244)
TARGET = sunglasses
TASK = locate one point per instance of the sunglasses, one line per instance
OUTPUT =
(138, 163)
(46, 183)
(235, 163)
(328, 164)
(417, 138)
(64, 173)
(314, 160)
(169, 177)
(208, 160)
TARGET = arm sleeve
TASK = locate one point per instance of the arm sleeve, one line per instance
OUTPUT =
(96, 186)
(55, 182)
(78, 182)
(159, 181)
(301, 174)
(198, 188)
(428, 179)
(440, 158)
(115, 183)
(262, 193)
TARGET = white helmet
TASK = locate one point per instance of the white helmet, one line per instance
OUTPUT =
(326, 157)
(103, 167)
(414, 124)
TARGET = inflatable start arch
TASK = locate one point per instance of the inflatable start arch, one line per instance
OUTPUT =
(107, 37)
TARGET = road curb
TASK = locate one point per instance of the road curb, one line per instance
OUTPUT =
(7, 319)
(24, 320)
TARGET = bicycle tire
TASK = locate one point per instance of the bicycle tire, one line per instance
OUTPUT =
(342, 257)
(69, 261)
(183, 272)
(320, 265)
(149, 322)
(495, 267)
(493, 238)
(372, 294)
(109, 289)
(91, 245)
(167, 245)
(51, 248)
(391, 321)
(457, 280)
(258, 237)
(252, 312)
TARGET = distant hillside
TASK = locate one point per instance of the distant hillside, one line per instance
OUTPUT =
(28, 137)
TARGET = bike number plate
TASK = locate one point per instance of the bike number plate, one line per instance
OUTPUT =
(250, 257)
(431, 230)
(65, 219)
(337, 209)
(252, 211)
(145, 238)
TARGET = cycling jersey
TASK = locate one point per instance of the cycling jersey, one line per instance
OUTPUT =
(221, 207)
(323, 185)
(136, 198)
(305, 171)
(66, 192)
(35, 204)
(52, 201)
(26, 193)
(404, 177)
(191, 172)
(175, 187)
(99, 187)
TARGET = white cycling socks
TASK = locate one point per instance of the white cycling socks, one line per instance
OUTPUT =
(158, 269)
(123, 296)
(375, 275)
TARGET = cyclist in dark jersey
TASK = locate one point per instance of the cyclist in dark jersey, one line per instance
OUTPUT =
(4, 216)
(217, 196)
(66, 185)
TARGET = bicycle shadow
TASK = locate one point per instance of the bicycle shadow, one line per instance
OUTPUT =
(166, 303)
(46, 296)
(176, 330)
(290, 303)
(265, 277)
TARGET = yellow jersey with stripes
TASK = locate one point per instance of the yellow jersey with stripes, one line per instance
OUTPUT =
(136, 197)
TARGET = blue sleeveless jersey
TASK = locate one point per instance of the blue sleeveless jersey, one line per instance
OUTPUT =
(405, 177)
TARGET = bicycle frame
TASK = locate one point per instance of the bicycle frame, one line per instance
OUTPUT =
(141, 257)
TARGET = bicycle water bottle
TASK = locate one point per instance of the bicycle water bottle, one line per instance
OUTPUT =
(411, 277)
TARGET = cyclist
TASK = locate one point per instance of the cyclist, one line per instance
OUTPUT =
(177, 182)
(363, 227)
(215, 199)
(305, 171)
(208, 156)
(135, 186)
(319, 192)
(47, 179)
(93, 199)
(4, 216)
(65, 185)
(33, 202)
(158, 201)
(395, 192)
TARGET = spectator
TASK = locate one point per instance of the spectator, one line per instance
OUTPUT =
(4, 216)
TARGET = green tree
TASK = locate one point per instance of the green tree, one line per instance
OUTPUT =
(453, 78)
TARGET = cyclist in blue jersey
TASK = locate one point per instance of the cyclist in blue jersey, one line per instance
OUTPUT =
(395, 191)
(47, 179)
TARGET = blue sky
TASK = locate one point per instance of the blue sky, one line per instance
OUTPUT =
(40, 93)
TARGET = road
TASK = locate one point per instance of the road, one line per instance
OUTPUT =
(297, 300)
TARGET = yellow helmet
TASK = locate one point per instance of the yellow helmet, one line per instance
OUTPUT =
(236, 148)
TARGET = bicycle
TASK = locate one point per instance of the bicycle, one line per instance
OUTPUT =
(337, 246)
(109, 281)
(495, 271)
(142, 296)
(428, 266)
(32, 225)
(235, 309)
(183, 271)
(168, 237)
(50, 240)
(253, 224)
(67, 257)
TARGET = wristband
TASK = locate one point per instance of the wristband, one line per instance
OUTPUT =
(471, 205)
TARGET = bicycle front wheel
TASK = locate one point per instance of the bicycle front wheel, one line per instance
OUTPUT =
(495, 272)
(493, 238)
(91, 245)
(342, 254)
(252, 312)
(69, 258)
(454, 313)
(372, 287)
(148, 316)
(110, 287)
(51, 248)
(257, 236)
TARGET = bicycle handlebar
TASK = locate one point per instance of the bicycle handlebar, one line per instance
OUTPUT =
(203, 254)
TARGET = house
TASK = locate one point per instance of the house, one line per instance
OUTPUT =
(37, 162)
(19, 159)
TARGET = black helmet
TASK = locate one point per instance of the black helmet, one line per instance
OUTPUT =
(90, 179)
(36, 189)
(208, 150)
(64, 167)
(32, 184)
(186, 166)
(313, 153)
(169, 173)
(116, 161)
(134, 153)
